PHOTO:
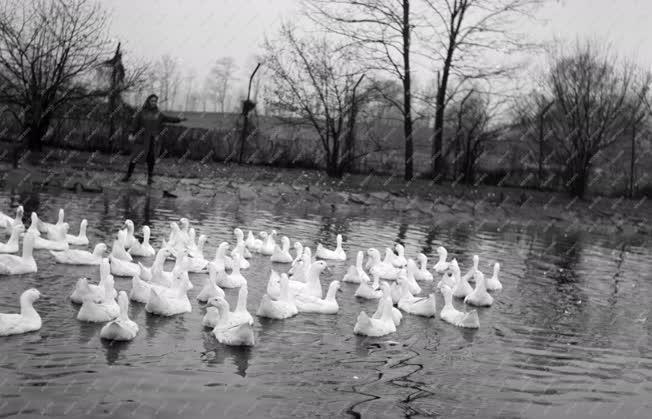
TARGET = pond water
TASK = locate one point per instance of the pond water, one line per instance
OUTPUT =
(569, 336)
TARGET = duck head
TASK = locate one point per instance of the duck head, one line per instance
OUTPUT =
(99, 250)
(29, 296)
(374, 254)
(130, 226)
(184, 224)
(238, 234)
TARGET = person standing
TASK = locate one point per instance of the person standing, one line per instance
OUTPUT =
(144, 136)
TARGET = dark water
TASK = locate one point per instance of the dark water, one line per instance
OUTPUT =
(569, 336)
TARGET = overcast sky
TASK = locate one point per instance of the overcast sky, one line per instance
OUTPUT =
(199, 31)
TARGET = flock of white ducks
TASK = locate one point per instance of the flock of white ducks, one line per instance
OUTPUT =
(392, 280)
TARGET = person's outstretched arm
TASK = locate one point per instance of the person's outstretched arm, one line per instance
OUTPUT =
(171, 119)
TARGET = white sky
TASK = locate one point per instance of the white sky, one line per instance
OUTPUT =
(197, 32)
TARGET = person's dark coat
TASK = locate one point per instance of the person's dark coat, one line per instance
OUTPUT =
(146, 127)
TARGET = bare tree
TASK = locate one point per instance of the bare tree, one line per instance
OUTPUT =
(168, 80)
(469, 122)
(189, 80)
(313, 82)
(220, 78)
(49, 51)
(593, 95)
(465, 29)
(382, 29)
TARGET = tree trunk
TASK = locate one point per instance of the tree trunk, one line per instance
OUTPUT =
(440, 103)
(407, 96)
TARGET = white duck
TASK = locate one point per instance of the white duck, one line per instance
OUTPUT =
(98, 310)
(239, 237)
(395, 292)
(13, 244)
(146, 272)
(33, 227)
(118, 250)
(9, 223)
(313, 284)
(337, 254)
(399, 259)
(421, 306)
(470, 274)
(383, 269)
(210, 289)
(80, 257)
(355, 274)
(80, 239)
(449, 278)
(274, 286)
(222, 261)
(197, 263)
(493, 283)
(241, 334)
(211, 317)
(105, 288)
(52, 230)
(240, 314)
(282, 254)
(121, 267)
(283, 308)
(479, 297)
(269, 244)
(257, 244)
(169, 301)
(455, 317)
(298, 248)
(409, 276)
(397, 316)
(367, 291)
(327, 305)
(422, 274)
(249, 242)
(122, 328)
(143, 249)
(376, 327)
(129, 229)
(299, 272)
(235, 278)
(239, 250)
(27, 321)
(462, 287)
(441, 264)
(60, 243)
(17, 265)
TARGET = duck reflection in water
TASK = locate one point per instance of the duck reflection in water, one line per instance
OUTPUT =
(216, 353)
(113, 348)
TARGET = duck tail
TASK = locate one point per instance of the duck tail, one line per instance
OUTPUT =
(471, 319)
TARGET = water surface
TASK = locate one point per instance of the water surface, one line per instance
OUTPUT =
(568, 336)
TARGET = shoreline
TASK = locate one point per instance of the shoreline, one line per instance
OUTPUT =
(419, 199)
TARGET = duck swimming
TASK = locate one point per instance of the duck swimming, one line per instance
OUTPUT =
(17, 265)
(80, 257)
(13, 244)
(80, 239)
(337, 254)
(27, 321)
(122, 328)
(143, 249)
(376, 327)
(454, 316)
(479, 297)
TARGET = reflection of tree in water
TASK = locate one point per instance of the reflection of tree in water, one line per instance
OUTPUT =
(216, 353)
(551, 303)
(431, 235)
(30, 200)
(402, 231)
(330, 227)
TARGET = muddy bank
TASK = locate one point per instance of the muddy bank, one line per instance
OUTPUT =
(305, 191)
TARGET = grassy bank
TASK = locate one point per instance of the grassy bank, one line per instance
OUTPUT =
(263, 186)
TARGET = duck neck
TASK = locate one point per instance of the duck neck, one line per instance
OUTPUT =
(82, 230)
(448, 299)
(480, 284)
(124, 308)
(27, 309)
(13, 239)
(387, 310)
(146, 234)
(330, 295)
(97, 252)
(28, 247)
(242, 300)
